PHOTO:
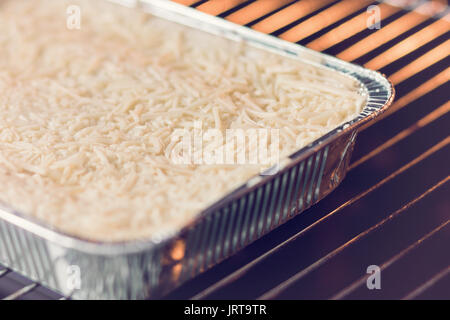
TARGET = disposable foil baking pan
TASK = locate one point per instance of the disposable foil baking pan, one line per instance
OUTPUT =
(86, 269)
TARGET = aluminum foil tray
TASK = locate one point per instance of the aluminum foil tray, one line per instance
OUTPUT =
(85, 269)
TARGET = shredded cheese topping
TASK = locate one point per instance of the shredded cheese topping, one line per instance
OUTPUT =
(87, 115)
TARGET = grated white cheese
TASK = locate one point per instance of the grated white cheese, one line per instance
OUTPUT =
(88, 116)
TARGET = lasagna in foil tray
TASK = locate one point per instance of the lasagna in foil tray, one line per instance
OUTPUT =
(118, 125)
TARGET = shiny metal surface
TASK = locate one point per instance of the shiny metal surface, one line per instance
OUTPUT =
(141, 269)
